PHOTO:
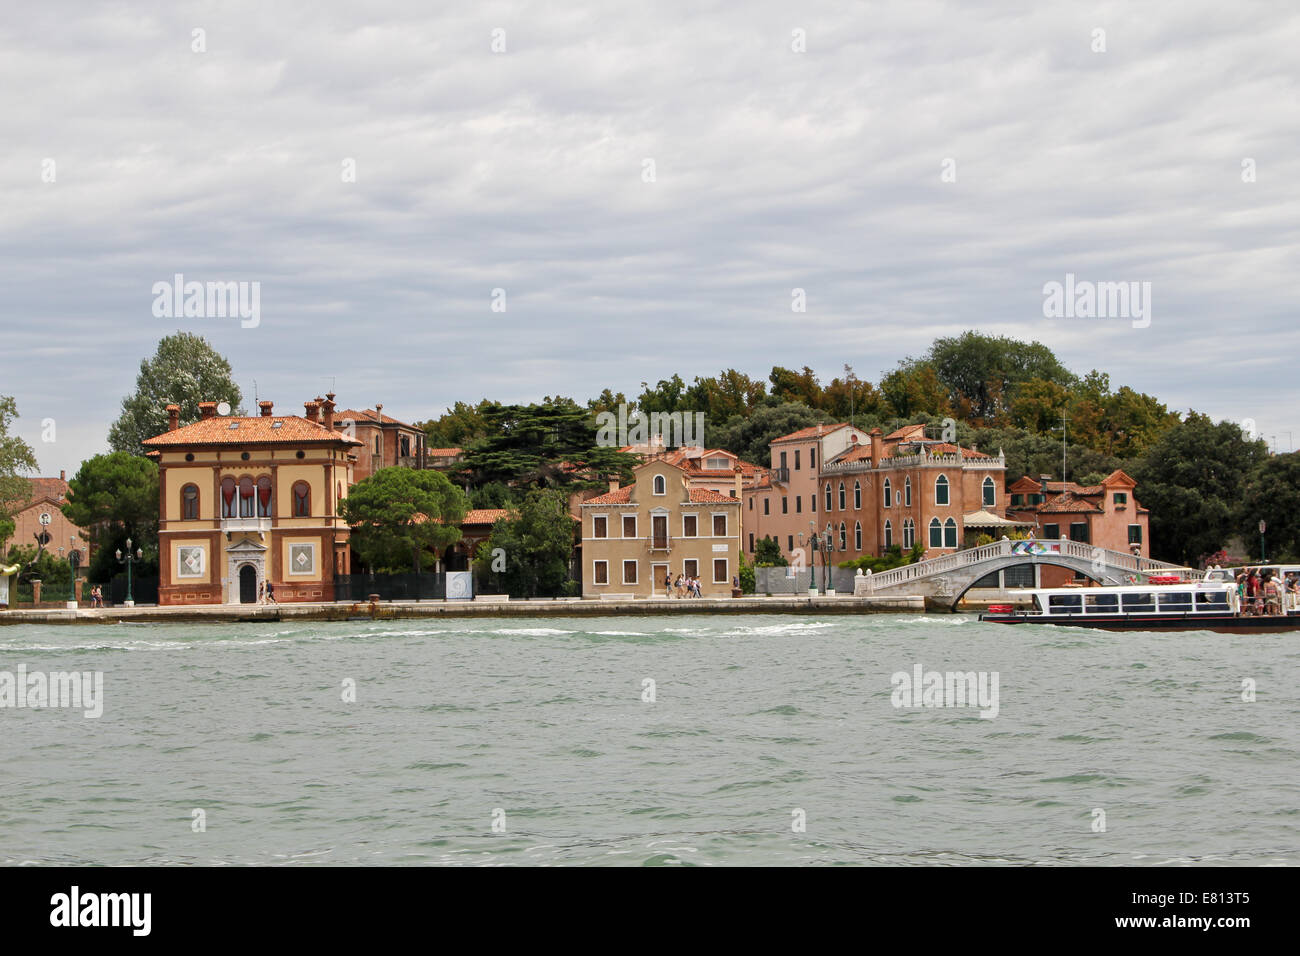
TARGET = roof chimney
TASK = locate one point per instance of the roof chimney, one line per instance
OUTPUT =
(312, 409)
(266, 408)
(173, 417)
(329, 410)
(1042, 482)
(613, 484)
(63, 475)
(877, 447)
(207, 410)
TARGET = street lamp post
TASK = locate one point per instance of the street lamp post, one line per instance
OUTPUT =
(794, 588)
(826, 559)
(1261, 541)
(129, 560)
(814, 541)
(73, 561)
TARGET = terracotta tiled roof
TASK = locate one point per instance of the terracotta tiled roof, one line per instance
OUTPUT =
(709, 496)
(810, 432)
(619, 496)
(232, 430)
(907, 431)
(369, 415)
(56, 489)
(484, 515)
(443, 452)
(1069, 503)
(859, 452)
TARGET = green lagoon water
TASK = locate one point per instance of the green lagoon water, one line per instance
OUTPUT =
(540, 727)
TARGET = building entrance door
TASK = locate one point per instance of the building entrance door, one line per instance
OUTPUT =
(248, 584)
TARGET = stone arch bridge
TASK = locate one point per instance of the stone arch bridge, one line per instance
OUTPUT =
(944, 580)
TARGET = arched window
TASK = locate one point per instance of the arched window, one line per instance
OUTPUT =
(889, 534)
(301, 499)
(909, 534)
(907, 491)
(844, 537)
(228, 509)
(990, 493)
(842, 498)
(857, 496)
(246, 497)
(661, 486)
(264, 497)
(950, 533)
(941, 490)
(936, 533)
(857, 536)
(190, 502)
(828, 496)
(889, 495)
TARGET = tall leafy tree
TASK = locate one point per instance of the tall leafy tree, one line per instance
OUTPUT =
(530, 555)
(980, 371)
(750, 437)
(16, 460)
(184, 370)
(1193, 479)
(400, 515)
(115, 497)
(552, 444)
(1272, 495)
(914, 388)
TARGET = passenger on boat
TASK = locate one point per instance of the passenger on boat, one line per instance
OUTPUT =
(1272, 596)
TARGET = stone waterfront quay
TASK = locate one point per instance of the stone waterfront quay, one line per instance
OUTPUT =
(486, 606)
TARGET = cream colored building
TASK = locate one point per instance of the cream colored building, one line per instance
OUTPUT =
(659, 526)
(248, 500)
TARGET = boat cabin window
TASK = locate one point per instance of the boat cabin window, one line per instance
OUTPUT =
(1102, 603)
(1176, 601)
(1038, 605)
(1142, 601)
(1065, 603)
(1211, 600)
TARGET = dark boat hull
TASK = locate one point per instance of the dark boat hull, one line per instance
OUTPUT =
(1227, 624)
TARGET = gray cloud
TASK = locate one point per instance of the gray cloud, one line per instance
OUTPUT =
(523, 171)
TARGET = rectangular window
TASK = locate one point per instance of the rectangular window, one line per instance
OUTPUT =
(785, 505)
(1121, 499)
(600, 572)
(796, 459)
(1079, 531)
(720, 571)
(1018, 576)
(629, 572)
(1102, 603)
(691, 568)
(1135, 534)
(783, 459)
(629, 526)
(1065, 603)
(1017, 500)
(1176, 601)
(798, 504)
(1051, 531)
(719, 526)
(1138, 602)
(751, 541)
(812, 502)
(690, 526)
(812, 457)
(600, 526)
(1212, 601)
(767, 506)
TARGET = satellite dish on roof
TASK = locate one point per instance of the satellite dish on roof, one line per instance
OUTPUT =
(223, 409)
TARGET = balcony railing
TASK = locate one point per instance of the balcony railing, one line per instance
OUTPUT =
(231, 525)
(659, 542)
(781, 475)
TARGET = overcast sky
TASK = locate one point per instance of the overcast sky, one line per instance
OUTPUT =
(525, 170)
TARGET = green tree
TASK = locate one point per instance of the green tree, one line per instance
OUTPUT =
(115, 497)
(914, 388)
(530, 555)
(184, 371)
(398, 514)
(1192, 480)
(751, 437)
(767, 553)
(552, 444)
(980, 371)
(16, 460)
(457, 427)
(801, 386)
(41, 565)
(1272, 495)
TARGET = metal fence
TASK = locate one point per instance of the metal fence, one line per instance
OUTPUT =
(143, 590)
(355, 588)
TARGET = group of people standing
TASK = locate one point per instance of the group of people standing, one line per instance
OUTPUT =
(684, 586)
(1266, 591)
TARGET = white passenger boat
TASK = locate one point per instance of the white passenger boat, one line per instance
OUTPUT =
(1160, 604)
